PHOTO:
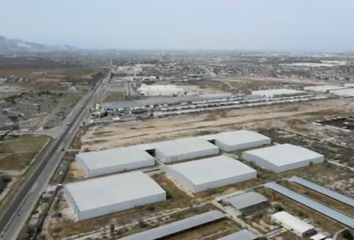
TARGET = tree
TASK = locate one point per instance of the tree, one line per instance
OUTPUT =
(278, 207)
(346, 234)
(112, 228)
(141, 223)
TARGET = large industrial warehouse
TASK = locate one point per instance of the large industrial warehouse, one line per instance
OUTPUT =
(209, 173)
(284, 157)
(184, 149)
(114, 160)
(238, 140)
(100, 196)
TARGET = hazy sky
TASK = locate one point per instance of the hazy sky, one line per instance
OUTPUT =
(317, 25)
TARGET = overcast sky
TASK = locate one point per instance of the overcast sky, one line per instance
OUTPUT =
(303, 25)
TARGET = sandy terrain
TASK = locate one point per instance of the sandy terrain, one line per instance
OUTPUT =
(137, 132)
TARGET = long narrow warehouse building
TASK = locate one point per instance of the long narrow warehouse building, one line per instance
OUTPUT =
(238, 140)
(177, 227)
(325, 191)
(284, 157)
(209, 173)
(101, 196)
(320, 208)
(184, 149)
(114, 160)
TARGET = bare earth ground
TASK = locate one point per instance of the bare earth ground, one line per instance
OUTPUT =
(137, 132)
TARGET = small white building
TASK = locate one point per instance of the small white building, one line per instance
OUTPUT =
(284, 157)
(277, 93)
(114, 160)
(323, 88)
(238, 140)
(344, 92)
(201, 175)
(183, 149)
(297, 226)
(101, 196)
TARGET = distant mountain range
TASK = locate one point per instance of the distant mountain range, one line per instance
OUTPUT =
(8, 45)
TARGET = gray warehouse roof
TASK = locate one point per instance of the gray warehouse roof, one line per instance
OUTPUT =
(113, 157)
(211, 169)
(176, 227)
(337, 196)
(329, 212)
(246, 200)
(106, 191)
(183, 146)
(237, 137)
(284, 154)
(241, 235)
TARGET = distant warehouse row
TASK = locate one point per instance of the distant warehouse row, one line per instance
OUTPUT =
(100, 196)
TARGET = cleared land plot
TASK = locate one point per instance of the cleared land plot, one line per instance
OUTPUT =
(17, 152)
(153, 130)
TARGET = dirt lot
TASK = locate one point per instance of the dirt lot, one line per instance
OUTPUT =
(137, 132)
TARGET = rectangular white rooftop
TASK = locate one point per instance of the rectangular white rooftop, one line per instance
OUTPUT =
(292, 222)
(100, 196)
(238, 140)
(283, 157)
(209, 173)
(344, 92)
(323, 88)
(184, 149)
(114, 160)
(277, 92)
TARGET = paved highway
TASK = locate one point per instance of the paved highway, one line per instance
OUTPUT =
(26, 198)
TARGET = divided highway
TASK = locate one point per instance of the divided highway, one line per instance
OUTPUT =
(23, 203)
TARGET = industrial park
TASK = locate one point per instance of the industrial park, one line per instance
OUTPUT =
(132, 137)
(151, 157)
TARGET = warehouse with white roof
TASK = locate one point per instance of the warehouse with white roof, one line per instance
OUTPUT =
(114, 160)
(277, 93)
(101, 196)
(323, 88)
(344, 92)
(297, 226)
(209, 173)
(283, 157)
(238, 140)
(184, 149)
